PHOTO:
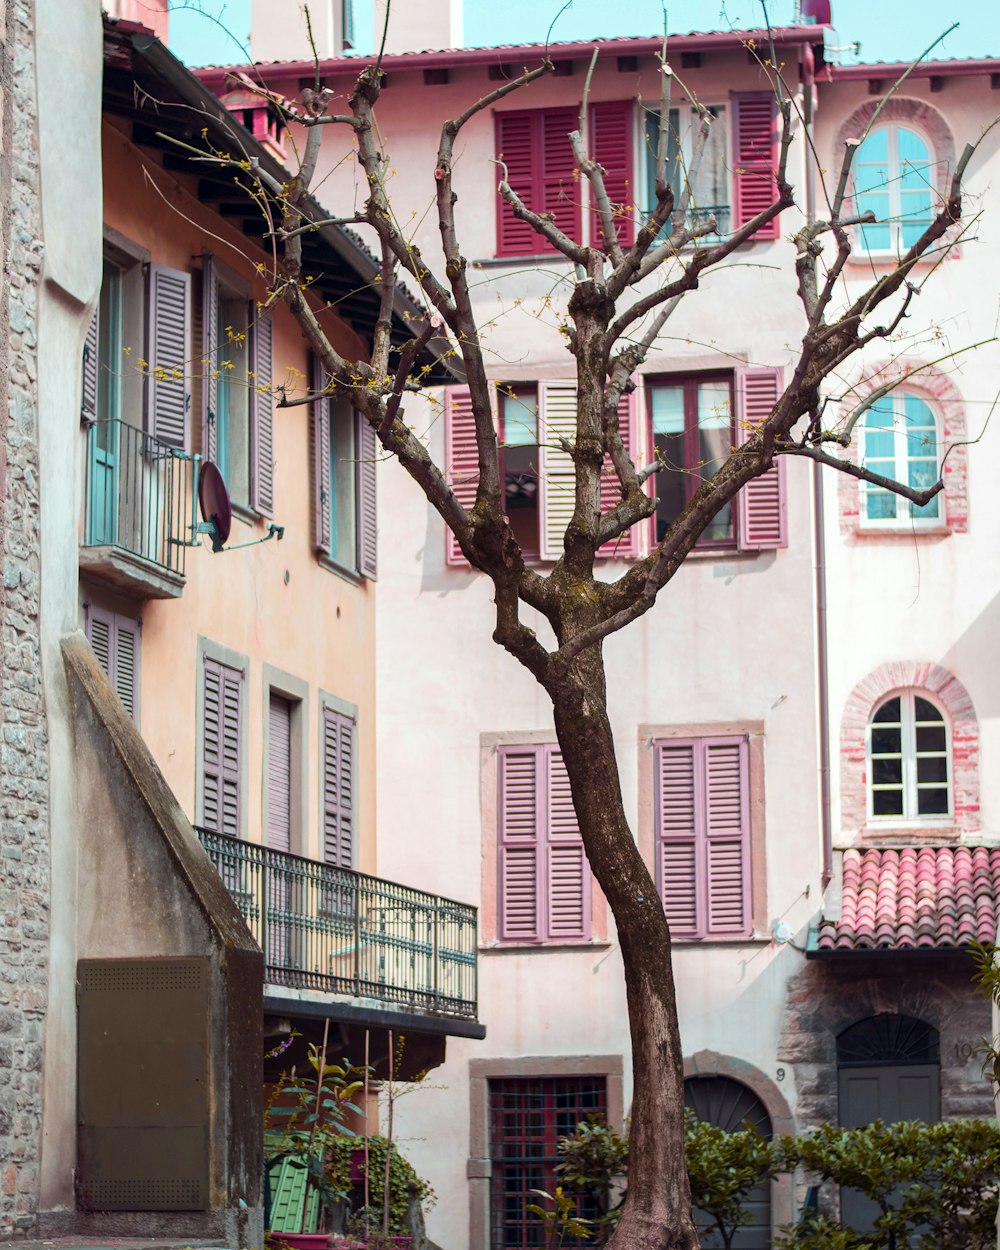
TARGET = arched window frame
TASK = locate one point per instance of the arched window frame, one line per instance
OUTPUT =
(896, 220)
(906, 512)
(910, 756)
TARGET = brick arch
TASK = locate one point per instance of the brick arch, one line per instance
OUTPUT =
(937, 388)
(952, 696)
(906, 112)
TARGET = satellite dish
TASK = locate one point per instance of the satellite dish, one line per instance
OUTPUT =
(216, 508)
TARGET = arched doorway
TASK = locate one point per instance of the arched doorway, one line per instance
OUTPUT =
(888, 1068)
(731, 1105)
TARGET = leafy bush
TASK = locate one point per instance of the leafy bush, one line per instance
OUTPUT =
(346, 1175)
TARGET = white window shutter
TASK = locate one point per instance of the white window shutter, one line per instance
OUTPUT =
(557, 421)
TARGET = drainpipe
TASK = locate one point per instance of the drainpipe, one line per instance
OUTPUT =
(819, 536)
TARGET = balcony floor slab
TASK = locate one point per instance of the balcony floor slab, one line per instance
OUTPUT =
(129, 573)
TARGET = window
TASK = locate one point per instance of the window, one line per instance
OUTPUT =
(237, 398)
(894, 179)
(900, 441)
(222, 747)
(692, 433)
(116, 640)
(702, 835)
(344, 499)
(909, 760)
(710, 191)
(544, 879)
(527, 1119)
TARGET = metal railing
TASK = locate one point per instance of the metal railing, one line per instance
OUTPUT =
(327, 928)
(140, 494)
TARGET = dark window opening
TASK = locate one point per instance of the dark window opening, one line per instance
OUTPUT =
(519, 463)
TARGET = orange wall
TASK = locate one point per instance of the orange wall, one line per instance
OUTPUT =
(273, 603)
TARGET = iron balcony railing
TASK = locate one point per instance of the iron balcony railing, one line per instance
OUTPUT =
(140, 494)
(331, 929)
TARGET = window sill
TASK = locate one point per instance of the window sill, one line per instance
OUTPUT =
(902, 834)
(331, 566)
(755, 939)
(246, 514)
(909, 531)
(533, 258)
(543, 948)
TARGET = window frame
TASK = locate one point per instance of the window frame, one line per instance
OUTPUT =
(894, 221)
(231, 290)
(909, 756)
(690, 382)
(904, 518)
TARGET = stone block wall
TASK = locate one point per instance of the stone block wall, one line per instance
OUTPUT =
(24, 864)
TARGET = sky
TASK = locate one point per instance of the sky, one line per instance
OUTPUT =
(204, 32)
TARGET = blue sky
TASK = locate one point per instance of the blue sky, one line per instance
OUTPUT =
(211, 31)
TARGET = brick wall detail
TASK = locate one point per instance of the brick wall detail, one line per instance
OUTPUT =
(954, 699)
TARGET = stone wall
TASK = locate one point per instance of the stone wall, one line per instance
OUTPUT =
(24, 864)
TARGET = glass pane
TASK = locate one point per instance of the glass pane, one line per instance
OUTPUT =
(668, 409)
(233, 430)
(932, 768)
(520, 475)
(889, 711)
(713, 406)
(931, 739)
(926, 711)
(886, 742)
(874, 238)
(343, 477)
(520, 418)
(887, 803)
(671, 480)
(109, 350)
(932, 802)
(887, 771)
(673, 164)
(880, 505)
(710, 182)
(874, 148)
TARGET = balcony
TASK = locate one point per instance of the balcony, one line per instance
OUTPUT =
(139, 497)
(340, 932)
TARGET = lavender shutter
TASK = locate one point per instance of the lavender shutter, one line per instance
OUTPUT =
(88, 398)
(763, 520)
(100, 633)
(367, 501)
(279, 773)
(262, 415)
(461, 458)
(319, 446)
(567, 911)
(625, 546)
(727, 837)
(338, 788)
(126, 660)
(221, 747)
(209, 357)
(519, 843)
(755, 158)
(611, 131)
(168, 396)
(677, 835)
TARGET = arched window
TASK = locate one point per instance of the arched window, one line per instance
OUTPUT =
(908, 760)
(900, 441)
(894, 179)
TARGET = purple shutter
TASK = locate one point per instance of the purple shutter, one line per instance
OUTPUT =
(611, 128)
(221, 748)
(209, 357)
(519, 843)
(100, 632)
(168, 354)
(567, 913)
(88, 398)
(279, 773)
(763, 523)
(755, 158)
(676, 805)
(126, 672)
(727, 837)
(262, 415)
(367, 501)
(338, 788)
(625, 546)
(461, 458)
(319, 449)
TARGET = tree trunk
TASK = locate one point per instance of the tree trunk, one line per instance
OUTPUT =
(657, 1210)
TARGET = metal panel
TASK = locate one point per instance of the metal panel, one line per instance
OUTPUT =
(143, 1084)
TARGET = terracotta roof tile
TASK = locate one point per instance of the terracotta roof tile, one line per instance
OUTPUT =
(931, 897)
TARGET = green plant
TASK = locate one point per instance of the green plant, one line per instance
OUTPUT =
(345, 1169)
(723, 1168)
(987, 978)
(559, 1220)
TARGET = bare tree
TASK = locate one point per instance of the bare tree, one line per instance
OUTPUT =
(612, 328)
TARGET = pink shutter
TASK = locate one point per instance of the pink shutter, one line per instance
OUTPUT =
(338, 788)
(88, 398)
(367, 502)
(221, 747)
(679, 870)
(169, 354)
(520, 843)
(319, 456)
(625, 546)
(755, 158)
(567, 913)
(611, 127)
(763, 519)
(560, 183)
(279, 773)
(727, 837)
(262, 415)
(209, 357)
(461, 458)
(519, 146)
